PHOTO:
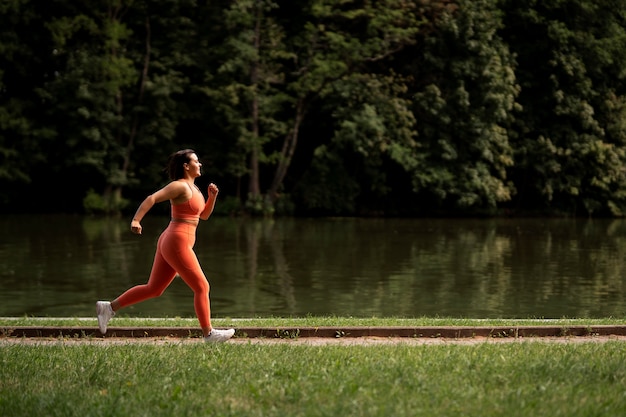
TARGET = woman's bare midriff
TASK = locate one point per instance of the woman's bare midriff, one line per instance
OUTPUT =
(194, 222)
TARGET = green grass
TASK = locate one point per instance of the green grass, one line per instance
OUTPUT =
(311, 321)
(194, 379)
(533, 378)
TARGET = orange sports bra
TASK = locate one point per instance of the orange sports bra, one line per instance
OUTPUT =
(190, 209)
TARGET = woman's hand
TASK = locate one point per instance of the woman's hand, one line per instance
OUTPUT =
(210, 202)
(135, 227)
(213, 190)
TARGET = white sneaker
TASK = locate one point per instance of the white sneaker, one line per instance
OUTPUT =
(217, 336)
(105, 312)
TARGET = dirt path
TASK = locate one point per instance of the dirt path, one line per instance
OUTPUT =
(306, 341)
(343, 336)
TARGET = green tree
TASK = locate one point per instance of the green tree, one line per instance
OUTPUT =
(570, 153)
(283, 60)
(93, 74)
(374, 128)
(24, 60)
(347, 54)
(248, 89)
(113, 90)
(464, 104)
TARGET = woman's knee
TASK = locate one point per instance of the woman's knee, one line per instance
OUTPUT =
(155, 290)
(199, 285)
(203, 287)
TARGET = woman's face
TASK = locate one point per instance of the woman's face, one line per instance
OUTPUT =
(193, 166)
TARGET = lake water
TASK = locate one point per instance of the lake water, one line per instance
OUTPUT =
(60, 265)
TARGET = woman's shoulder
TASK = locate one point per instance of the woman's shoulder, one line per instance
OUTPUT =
(175, 190)
(178, 183)
(178, 191)
(174, 186)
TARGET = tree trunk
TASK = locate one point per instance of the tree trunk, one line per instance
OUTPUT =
(116, 192)
(254, 187)
(286, 155)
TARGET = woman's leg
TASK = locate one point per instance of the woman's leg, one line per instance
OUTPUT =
(190, 271)
(180, 255)
(161, 277)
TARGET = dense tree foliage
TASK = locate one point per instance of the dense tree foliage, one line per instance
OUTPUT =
(569, 149)
(464, 102)
(324, 107)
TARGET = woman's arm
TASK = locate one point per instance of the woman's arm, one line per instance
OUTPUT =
(210, 202)
(171, 191)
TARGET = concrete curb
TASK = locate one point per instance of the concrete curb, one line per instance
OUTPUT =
(448, 332)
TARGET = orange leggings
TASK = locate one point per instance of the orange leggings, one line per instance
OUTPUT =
(174, 255)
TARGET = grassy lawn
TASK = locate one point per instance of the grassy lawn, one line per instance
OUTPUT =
(521, 379)
(532, 378)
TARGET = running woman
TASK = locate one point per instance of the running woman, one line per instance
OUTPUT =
(174, 253)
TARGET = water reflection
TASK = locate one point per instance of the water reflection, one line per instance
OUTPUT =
(59, 265)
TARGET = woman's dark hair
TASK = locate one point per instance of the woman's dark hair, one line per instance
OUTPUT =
(175, 168)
